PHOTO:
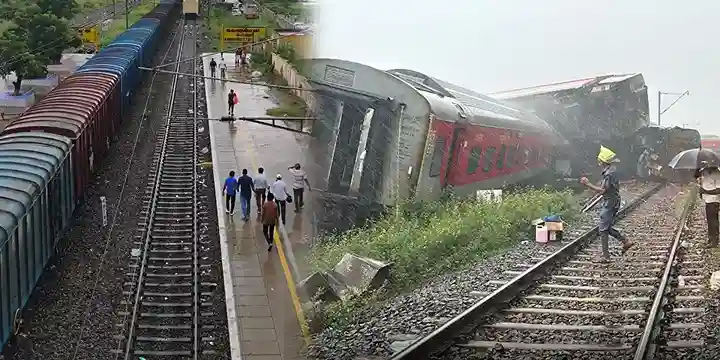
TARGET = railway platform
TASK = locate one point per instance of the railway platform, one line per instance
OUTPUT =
(263, 309)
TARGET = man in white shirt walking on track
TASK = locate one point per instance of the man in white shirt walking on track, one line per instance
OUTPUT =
(299, 180)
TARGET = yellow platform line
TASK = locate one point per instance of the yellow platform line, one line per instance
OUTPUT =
(299, 313)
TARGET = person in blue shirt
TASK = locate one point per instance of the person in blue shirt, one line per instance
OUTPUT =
(245, 183)
(229, 189)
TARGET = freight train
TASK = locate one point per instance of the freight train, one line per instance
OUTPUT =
(587, 112)
(48, 154)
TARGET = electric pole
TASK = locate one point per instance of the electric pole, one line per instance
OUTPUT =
(660, 94)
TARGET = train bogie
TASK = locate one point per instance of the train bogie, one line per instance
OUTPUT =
(36, 198)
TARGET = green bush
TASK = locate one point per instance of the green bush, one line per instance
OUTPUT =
(429, 239)
(424, 240)
(287, 52)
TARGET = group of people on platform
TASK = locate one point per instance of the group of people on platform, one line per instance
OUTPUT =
(240, 59)
(271, 199)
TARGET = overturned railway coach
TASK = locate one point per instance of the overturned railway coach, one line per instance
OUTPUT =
(587, 112)
(405, 134)
(48, 153)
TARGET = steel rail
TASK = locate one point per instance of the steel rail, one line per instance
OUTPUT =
(196, 200)
(469, 319)
(647, 346)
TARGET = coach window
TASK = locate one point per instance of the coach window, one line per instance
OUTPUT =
(489, 157)
(520, 155)
(501, 158)
(437, 157)
(474, 160)
(510, 156)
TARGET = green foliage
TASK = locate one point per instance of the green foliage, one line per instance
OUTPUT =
(296, 109)
(287, 52)
(46, 33)
(429, 239)
(64, 9)
(117, 26)
(90, 5)
(261, 62)
(37, 36)
(16, 56)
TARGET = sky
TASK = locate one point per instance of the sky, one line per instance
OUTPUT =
(494, 45)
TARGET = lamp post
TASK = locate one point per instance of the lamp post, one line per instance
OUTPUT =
(660, 94)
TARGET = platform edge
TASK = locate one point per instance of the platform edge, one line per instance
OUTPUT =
(233, 329)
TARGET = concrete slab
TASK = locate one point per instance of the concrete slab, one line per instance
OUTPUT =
(262, 317)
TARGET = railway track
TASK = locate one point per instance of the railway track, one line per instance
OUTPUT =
(568, 307)
(589, 213)
(167, 300)
(685, 324)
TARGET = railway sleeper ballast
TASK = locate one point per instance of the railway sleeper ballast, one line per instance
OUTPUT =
(165, 300)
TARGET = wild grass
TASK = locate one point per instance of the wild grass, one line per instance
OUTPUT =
(117, 26)
(426, 240)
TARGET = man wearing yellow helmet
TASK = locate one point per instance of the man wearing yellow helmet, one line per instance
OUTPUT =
(610, 190)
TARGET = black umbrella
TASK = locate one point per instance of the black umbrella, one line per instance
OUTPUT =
(694, 159)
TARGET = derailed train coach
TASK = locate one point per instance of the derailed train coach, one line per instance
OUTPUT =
(384, 136)
(48, 154)
(587, 112)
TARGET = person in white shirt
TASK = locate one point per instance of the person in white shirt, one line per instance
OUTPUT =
(261, 185)
(709, 189)
(223, 70)
(299, 180)
(279, 191)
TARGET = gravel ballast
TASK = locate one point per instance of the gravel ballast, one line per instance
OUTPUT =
(396, 323)
(695, 267)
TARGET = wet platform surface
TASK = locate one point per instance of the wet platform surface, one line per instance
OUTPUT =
(264, 323)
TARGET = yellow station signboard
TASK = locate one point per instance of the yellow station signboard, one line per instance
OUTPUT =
(90, 35)
(242, 35)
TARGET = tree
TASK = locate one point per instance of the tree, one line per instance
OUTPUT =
(16, 56)
(64, 9)
(47, 33)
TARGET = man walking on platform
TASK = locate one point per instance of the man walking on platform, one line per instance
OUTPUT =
(299, 180)
(213, 66)
(245, 183)
(229, 189)
(269, 216)
(610, 190)
(223, 70)
(280, 193)
(232, 100)
(261, 185)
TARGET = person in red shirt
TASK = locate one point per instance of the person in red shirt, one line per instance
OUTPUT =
(269, 216)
